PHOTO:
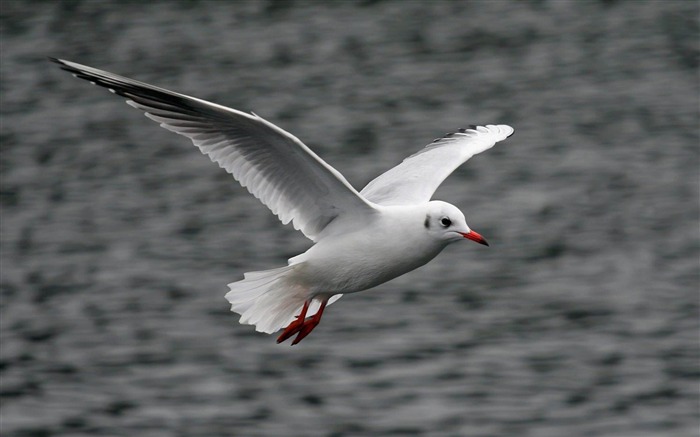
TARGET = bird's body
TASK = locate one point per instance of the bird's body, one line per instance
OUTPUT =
(388, 246)
(392, 242)
(361, 239)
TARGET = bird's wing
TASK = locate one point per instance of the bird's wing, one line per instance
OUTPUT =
(274, 165)
(415, 180)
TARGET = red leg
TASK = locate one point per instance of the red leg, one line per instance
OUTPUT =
(296, 325)
(310, 324)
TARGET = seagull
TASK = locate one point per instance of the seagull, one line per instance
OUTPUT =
(361, 239)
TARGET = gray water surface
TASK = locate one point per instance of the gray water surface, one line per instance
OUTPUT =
(118, 237)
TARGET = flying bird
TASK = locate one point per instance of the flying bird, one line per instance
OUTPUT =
(361, 239)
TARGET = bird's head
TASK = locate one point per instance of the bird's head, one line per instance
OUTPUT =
(446, 223)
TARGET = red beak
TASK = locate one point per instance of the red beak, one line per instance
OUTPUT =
(474, 236)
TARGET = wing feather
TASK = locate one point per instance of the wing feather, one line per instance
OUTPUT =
(274, 165)
(415, 180)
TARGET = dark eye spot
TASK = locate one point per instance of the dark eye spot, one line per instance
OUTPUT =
(445, 221)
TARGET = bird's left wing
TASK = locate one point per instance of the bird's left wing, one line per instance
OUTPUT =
(274, 165)
(415, 180)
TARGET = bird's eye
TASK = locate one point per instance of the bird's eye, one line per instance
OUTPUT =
(445, 221)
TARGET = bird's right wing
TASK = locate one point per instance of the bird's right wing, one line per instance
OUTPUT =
(415, 180)
(274, 165)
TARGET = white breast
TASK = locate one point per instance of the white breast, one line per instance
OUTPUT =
(394, 244)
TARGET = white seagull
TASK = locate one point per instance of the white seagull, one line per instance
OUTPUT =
(361, 239)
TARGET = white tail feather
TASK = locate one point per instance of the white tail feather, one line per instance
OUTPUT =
(269, 299)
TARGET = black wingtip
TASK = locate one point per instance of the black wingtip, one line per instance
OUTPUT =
(63, 64)
(476, 126)
(461, 130)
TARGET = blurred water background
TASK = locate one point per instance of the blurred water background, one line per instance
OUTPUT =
(118, 237)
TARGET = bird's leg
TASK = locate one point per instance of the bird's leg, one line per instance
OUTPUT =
(311, 323)
(296, 325)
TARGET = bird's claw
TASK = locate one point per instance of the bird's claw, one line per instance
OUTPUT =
(306, 329)
(290, 330)
(302, 325)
